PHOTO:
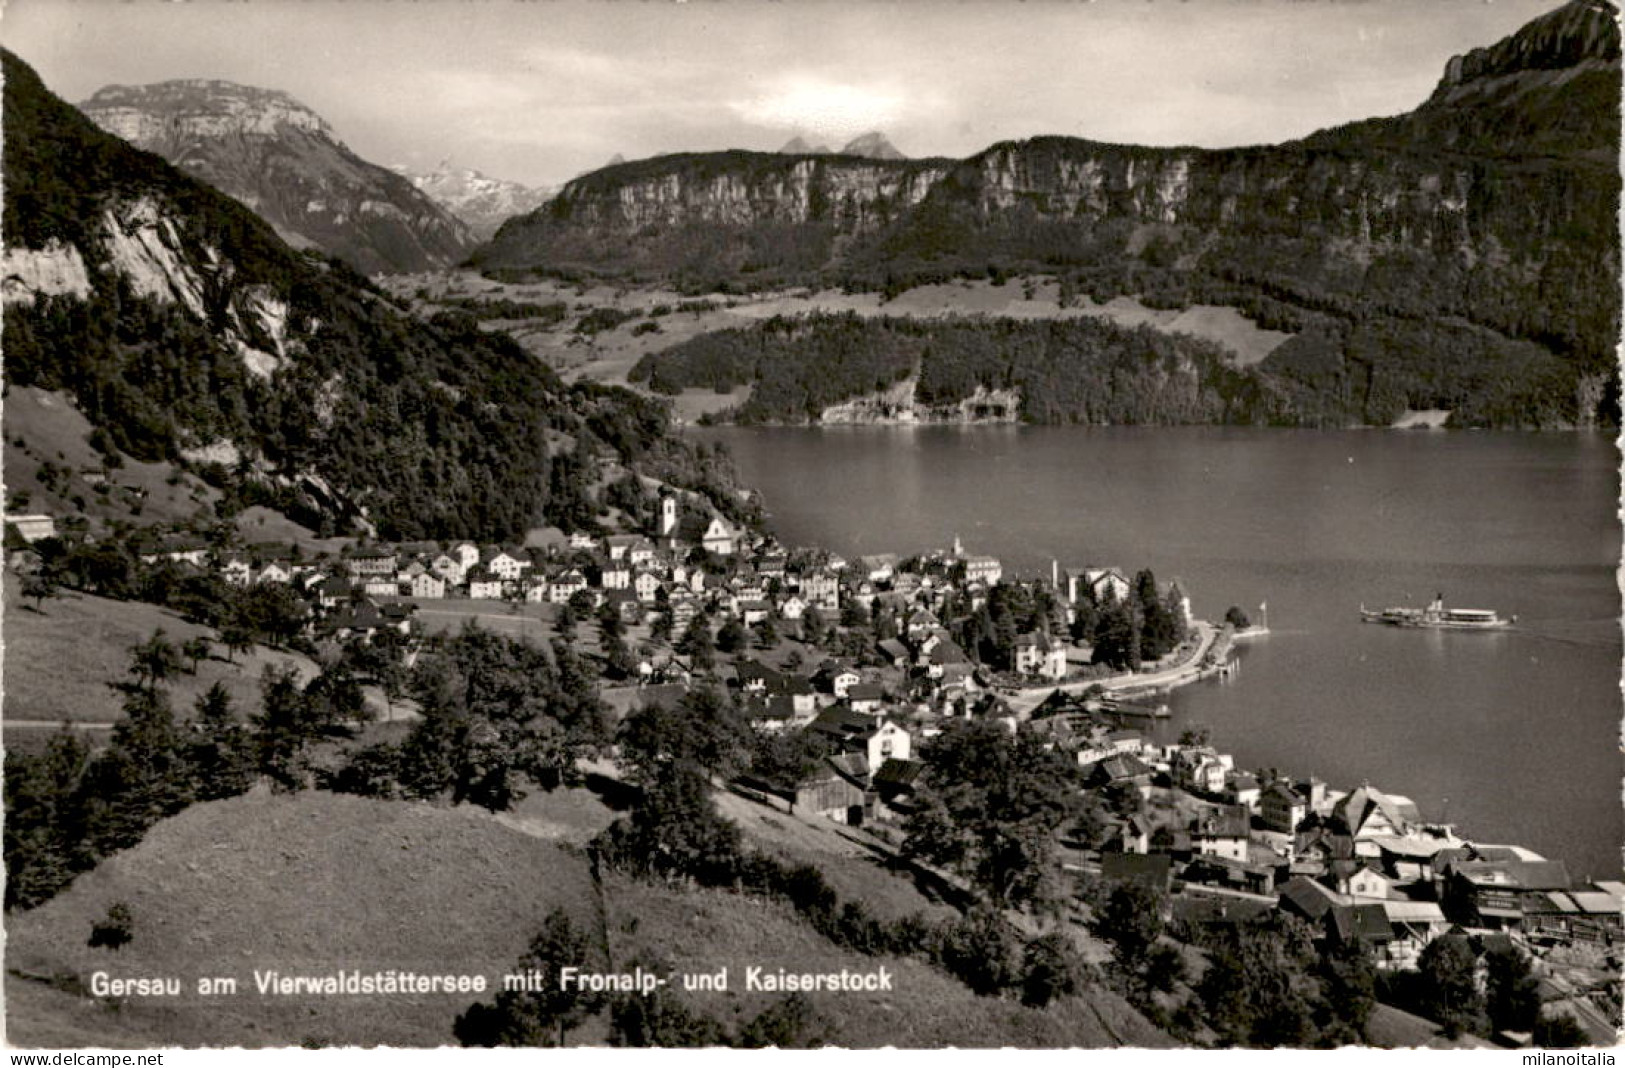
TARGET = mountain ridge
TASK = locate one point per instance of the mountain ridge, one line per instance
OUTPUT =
(1492, 206)
(183, 327)
(481, 202)
(279, 157)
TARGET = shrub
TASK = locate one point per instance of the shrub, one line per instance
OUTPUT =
(115, 930)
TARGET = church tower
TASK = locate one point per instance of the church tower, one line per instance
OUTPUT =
(668, 515)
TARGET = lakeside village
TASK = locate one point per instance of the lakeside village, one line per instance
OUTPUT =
(855, 664)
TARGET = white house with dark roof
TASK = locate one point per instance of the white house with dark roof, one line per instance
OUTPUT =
(1036, 654)
(428, 586)
(1107, 584)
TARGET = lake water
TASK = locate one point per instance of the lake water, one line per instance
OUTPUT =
(1514, 736)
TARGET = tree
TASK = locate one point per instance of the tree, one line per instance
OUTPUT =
(236, 638)
(1512, 995)
(789, 1023)
(661, 1020)
(1258, 989)
(991, 806)
(812, 626)
(1131, 920)
(220, 751)
(1237, 618)
(982, 949)
(1117, 637)
(696, 644)
(115, 930)
(140, 778)
(1559, 1031)
(1450, 994)
(703, 732)
(283, 728)
(731, 638)
(767, 634)
(497, 717)
(785, 758)
(155, 660)
(1348, 984)
(1050, 970)
(39, 586)
(542, 1017)
(196, 650)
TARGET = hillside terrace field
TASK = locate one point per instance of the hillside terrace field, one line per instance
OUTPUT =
(61, 658)
(316, 882)
(608, 355)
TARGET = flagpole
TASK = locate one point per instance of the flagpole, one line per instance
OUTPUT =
(1264, 614)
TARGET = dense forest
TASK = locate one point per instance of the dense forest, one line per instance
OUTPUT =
(431, 429)
(1096, 372)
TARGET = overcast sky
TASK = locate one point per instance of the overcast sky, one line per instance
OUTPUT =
(541, 90)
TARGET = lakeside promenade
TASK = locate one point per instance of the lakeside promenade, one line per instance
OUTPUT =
(1204, 657)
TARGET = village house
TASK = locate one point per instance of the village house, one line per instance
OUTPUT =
(565, 585)
(836, 679)
(1135, 834)
(1127, 769)
(831, 794)
(1281, 807)
(852, 731)
(536, 590)
(1198, 768)
(894, 652)
(866, 697)
(467, 554)
(180, 550)
(236, 569)
(507, 565)
(983, 570)
(372, 563)
(1222, 833)
(33, 527)
(449, 568)
(646, 584)
(1370, 814)
(1106, 585)
(333, 590)
(1035, 654)
(720, 537)
(895, 785)
(381, 586)
(615, 576)
(428, 586)
(878, 567)
(1243, 789)
(1412, 925)
(485, 586)
(275, 571)
(792, 608)
(822, 591)
(618, 545)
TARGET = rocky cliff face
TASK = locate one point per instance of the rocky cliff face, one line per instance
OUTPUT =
(482, 203)
(269, 151)
(1494, 204)
(706, 219)
(748, 189)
